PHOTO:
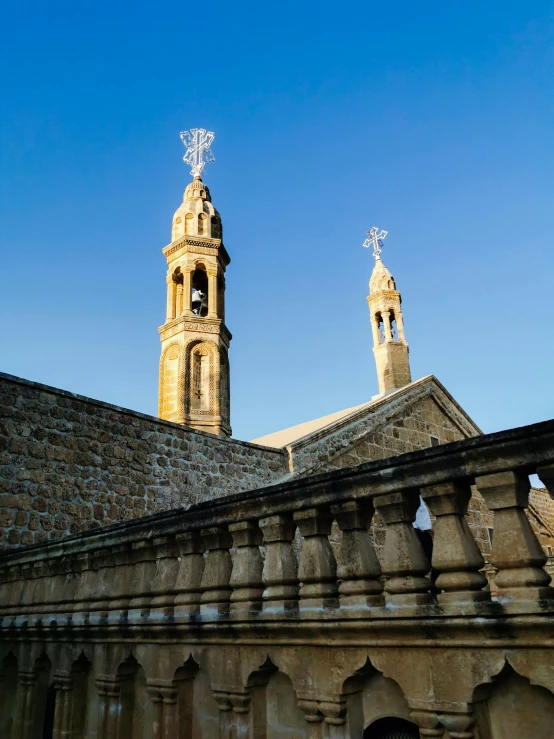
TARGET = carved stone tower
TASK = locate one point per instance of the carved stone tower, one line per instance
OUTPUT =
(194, 365)
(390, 347)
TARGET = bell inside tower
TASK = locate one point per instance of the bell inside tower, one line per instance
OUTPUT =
(199, 283)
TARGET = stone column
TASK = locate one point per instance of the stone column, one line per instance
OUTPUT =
(404, 561)
(216, 590)
(400, 325)
(375, 329)
(246, 576)
(516, 551)
(163, 587)
(456, 556)
(386, 324)
(458, 725)
(144, 557)
(358, 568)
(241, 714)
(189, 578)
(317, 568)
(62, 715)
(212, 294)
(178, 300)
(546, 475)
(225, 714)
(280, 572)
(187, 292)
(23, 722)
(109, 708)
(313, 717)
(428, 722)
(335, 719)
(170, 308)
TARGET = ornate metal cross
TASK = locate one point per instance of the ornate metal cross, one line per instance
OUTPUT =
(198, 142)
(375, 239)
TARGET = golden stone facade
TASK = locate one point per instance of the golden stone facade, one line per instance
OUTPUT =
(194, 387)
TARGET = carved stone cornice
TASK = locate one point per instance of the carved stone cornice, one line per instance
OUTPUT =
(197, 245)
(199, 326)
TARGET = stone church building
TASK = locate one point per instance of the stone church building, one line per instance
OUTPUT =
(272, 588)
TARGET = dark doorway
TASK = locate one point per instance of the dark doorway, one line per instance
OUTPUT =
(391, 728)
(48, 727)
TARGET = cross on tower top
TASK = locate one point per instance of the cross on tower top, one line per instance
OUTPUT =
(375, 239)
(198, 142)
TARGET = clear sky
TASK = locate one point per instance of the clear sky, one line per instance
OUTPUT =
(432, 120)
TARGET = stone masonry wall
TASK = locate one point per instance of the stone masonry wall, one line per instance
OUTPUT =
(69, 463)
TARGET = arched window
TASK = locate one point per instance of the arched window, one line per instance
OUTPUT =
(200, 378)
(199, 283)
(202, 224)
(189, 224)
(216, 227)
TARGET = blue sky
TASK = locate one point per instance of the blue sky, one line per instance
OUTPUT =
(431, 120)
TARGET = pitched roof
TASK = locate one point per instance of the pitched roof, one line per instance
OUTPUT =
(328, 424)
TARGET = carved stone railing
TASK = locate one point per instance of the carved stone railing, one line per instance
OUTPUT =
(235, 560)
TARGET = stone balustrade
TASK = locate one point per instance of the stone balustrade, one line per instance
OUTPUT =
(290, 566)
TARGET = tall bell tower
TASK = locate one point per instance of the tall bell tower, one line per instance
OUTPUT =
(390, 347)
(194, 364)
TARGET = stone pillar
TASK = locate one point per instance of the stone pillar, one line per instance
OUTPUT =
(225, 714)
(216, 590)
(189, 578)
(458, 725)
(375, 329)
(546, 475)
(456, 556)
(386, 324)
(358, 568)
(317, 568)
(108, 688)
(170, 308)
(164, 698)
(313, 717)
(241, 715)
(404, 561)
(516, 551)
(62, 715)
(428, 722)
(246, 576)
(212, 294)
(400, 325)
(280, 572)
(23, 723)
(187, 292)
(335, 719)
(178, 300)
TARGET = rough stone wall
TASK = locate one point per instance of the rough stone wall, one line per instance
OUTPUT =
(68, 463)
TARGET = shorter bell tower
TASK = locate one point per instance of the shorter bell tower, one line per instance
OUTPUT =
(194, 364)
(390, 347)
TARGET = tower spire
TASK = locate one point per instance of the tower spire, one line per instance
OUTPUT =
(194, 365)
(390, 347)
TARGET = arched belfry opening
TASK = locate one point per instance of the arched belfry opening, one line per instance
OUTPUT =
(200, 289)
(194, 364)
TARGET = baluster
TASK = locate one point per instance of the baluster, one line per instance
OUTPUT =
(163, 587)
(280, 567)
(456, 556)
(144, 558)
(516, 551)
(216, 590)
(120, 588)
(358, 568)
(246, 576)
(404, 561)
(317, 568)
(189, 578)
(546, 475)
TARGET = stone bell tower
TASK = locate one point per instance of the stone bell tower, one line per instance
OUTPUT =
(390, 347)
(194, 364)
